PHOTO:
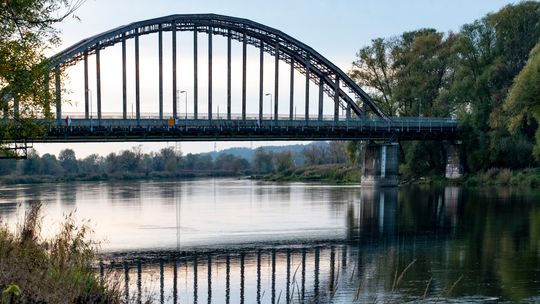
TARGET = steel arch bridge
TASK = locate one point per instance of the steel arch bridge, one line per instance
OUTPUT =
(363, 119)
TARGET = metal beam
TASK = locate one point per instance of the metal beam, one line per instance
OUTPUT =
(229, 74)
(276, 82)
(261, 80)
(316, 272)
(273, 288)
(336, 99)
(303, 288)
(195, 73)
(210, 73)
(242, 278)
(288, 288)
(58, 93)
(174, 84)
(160, 51)
(195, 279)
(209, 268)
(321, 97)
(124, 78)
(224, 23)
(86, 88)
(98, 85)
(258, 276)
(227, 279)
(291, 106)
(137, 79)
(307, 90)
(244, 74)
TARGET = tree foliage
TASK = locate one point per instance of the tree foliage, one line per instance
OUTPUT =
(465, 75)
(523, 100)
(26, 32)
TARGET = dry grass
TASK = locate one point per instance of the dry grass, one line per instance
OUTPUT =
(58, 270)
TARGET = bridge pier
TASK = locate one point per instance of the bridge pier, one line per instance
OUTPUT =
(454, 166)
(380, 165)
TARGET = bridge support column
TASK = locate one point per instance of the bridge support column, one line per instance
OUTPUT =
(380, 165)
(454, 167)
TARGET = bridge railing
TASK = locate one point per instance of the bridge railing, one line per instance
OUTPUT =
(266, 117)
(253, 122)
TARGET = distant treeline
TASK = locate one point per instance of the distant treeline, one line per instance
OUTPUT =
(168, 162)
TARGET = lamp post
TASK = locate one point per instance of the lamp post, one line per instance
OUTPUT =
(185, 101)
(271, 105)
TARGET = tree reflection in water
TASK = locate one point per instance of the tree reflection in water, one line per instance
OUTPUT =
(461, 244)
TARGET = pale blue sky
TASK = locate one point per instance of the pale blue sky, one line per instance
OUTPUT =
(336, 29)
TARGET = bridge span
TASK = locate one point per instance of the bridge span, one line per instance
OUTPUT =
(324, 90)
(248, 129)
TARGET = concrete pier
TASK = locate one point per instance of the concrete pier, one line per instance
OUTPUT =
(454, 167)
(380, 165)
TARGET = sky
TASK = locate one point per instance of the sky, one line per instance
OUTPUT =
(336, 29)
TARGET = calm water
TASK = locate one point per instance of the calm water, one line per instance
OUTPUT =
(242, 241)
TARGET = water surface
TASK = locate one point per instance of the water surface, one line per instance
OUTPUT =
(243, 241)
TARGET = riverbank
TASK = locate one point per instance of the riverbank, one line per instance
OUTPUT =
(343, 174)
(55, 270)
(43, 179)
(332, 173)
(529, 177)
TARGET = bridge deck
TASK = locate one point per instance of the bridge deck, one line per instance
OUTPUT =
(131, 130)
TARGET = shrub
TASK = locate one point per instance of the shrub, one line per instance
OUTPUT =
(58, 270)
(504, 177)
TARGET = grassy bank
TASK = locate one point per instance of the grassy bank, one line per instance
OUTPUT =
(40, 179)
(529, 177)
(56, 270)
(334, 173)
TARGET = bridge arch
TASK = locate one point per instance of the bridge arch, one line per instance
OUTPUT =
(283, 47)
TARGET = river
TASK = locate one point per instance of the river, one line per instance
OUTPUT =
(244, 241)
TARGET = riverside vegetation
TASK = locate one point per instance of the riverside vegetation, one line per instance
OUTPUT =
(55, 270)
(322, 162)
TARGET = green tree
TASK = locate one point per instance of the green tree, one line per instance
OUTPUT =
(68, 161)
(373, 69)
(169, 159)
(90, 165)
(523, 100)
(409, 76)
(262, 162)
(32, 165)
(50, 165)
(283, 161)
(492, 52)
(26, 32)
(465, 75)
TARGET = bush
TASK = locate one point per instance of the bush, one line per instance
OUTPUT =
(504, 177)
(58, 270)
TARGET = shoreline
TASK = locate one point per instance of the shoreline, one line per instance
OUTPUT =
(334, 174)
(341, 174)
(48, 179)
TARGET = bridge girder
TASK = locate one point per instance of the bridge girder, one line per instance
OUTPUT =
(290, 50)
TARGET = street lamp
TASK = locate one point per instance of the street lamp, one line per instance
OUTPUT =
(271, 105)
(185, 100)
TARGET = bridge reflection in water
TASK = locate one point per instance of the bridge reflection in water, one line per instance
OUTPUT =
(357, 268)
